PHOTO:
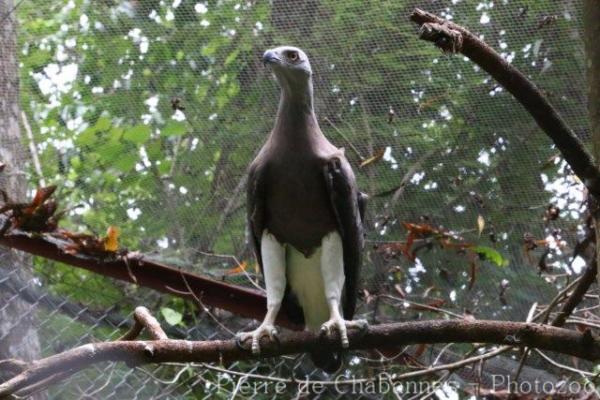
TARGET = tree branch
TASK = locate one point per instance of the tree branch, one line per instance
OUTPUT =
(33, 150)
(518, 334)
(245, 302)
(453, 38)
(143, 319)
(588, 277)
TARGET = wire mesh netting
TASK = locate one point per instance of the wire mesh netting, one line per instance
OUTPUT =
(146, 114)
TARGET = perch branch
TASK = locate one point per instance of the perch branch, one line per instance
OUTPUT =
(453, 38)
(138, 352)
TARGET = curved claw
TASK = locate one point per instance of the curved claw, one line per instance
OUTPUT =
(338, 324)
(239, 342)
(361, 324)
(342, 327)
(255, 336)
(274, 335)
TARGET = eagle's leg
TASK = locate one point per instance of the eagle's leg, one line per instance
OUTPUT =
(332, 268)
(273, 260)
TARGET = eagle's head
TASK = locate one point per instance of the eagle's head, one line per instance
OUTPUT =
(291, 68)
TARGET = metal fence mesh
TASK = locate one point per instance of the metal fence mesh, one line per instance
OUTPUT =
(146, 113)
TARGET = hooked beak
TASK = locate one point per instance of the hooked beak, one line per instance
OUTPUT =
(270, 58)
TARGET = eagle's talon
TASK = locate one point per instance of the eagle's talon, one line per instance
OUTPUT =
(338, 324)
(274, 335)
(241, 338)
(342, 326)
(256, 335)
(239, 342)
(361, 324)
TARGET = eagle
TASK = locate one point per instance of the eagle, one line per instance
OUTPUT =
(305, 217)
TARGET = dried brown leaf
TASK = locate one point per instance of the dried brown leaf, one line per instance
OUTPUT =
(378, 155)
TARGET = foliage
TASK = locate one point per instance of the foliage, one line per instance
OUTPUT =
(147, 112)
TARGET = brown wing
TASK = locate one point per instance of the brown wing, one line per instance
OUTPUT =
(256, 204)
(349, 207)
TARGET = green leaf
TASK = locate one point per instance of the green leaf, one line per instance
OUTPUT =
(138, 134)
(491, 255)
(87, 137)
(114, 135)
(173, 128)
(231, 57)
(109, 152)
(38, 58)
(90, 136)
(102, 124)
(154, 150)
(171, 316)
(126, 162)
(164, 167)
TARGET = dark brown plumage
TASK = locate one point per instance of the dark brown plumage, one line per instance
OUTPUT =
(301, 188)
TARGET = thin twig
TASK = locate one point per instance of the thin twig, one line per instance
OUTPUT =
(33, 150)
(90, 395)
(155, 378)
(28, 391)
(521, 364)
(237, 261)
(339, 132)
(200, 304)
(546, 313)
(423, 306)
(12, 365)
(585, 281)
(582, 322)
(399, 191)
(562, 366)
(444, 349)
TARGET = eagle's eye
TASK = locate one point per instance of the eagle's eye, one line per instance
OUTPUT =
(292, 56)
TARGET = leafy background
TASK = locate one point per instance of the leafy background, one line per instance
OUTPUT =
(147, 112)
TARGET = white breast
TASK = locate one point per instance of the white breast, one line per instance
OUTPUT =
(306, 280)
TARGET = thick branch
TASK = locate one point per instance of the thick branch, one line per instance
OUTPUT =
(241, 301)
(451, 37)
(518, 334)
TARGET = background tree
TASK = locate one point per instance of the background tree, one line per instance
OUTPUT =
(18, 330)
(147, 114)
(591, 23)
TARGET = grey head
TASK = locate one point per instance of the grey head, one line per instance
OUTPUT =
(292, 70)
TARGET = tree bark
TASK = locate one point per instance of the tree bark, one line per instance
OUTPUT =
(591, 28)
(591, 22)
(160, 349)
(18, 334)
